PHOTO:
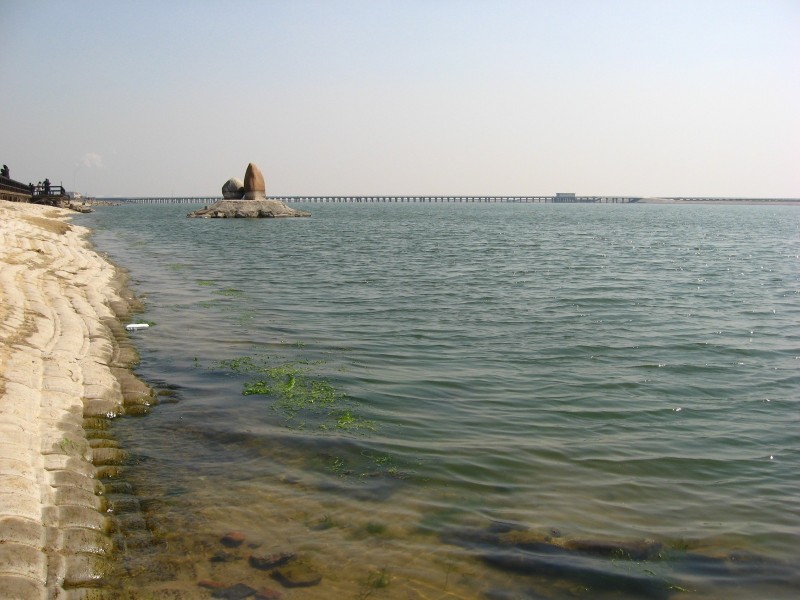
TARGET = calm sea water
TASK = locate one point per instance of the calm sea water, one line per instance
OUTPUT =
(469, 401)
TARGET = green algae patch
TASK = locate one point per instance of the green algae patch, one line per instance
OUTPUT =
(293, 387)
(72, 447)
(375, 528)
(245, 364)
(294, 390)
(347, 420)
(323, 523)
(379, 579)
(229, 292)
(300, 394)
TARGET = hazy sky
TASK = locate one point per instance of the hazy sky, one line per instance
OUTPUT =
(628, 97)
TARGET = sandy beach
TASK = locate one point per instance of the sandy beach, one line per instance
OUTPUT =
(64, 361)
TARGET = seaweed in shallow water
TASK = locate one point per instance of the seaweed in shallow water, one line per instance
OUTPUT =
(300, 395)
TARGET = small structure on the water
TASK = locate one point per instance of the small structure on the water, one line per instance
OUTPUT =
(247, 199)
(565, 197)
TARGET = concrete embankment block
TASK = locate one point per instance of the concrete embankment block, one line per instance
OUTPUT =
(10, 466)
(75, 516)
(21, 505)
(18, 587)
(22, 531)
(78, 540)
(62, 462)
(74, 496)
(81, 481)
(19, 484)
(23, 560)
(19, 451)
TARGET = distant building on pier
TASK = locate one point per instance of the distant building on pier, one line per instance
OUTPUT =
(564, 197)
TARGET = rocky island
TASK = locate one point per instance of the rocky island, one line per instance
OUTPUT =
(247, 199)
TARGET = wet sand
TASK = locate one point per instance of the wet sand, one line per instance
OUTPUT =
(64, 358)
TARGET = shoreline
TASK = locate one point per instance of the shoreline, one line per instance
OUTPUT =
(64, 369)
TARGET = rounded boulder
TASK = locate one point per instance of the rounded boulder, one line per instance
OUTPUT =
(233, 189)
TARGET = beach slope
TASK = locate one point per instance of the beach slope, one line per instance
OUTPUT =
(63, 355)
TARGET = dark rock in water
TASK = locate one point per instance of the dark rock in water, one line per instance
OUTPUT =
(210, 584)
(269, 594)
(297, 574)
(233, 539)
(235, 592)
(590, 572)
(510, 547)
(614, 567)
(270, 561)
(694, 564)
(224, 557)
(469, 537)
(506, 526)
(247, 209)
(636, 550)
(497, 594)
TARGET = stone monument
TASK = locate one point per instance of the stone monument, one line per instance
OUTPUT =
(254, 186)
(247, 199)
(233, 189)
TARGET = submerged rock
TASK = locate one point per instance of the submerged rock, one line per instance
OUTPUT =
(235, 592)
(233, 539)
(223, 557)
(298, 573)
(506, 527)
(631, 550)
(590, 572)
(270, 561)
(588, 563)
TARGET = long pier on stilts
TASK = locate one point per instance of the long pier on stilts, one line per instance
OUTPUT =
(557, 199)
(392, 199)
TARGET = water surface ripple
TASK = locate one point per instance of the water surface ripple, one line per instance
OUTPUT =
(616, 374)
